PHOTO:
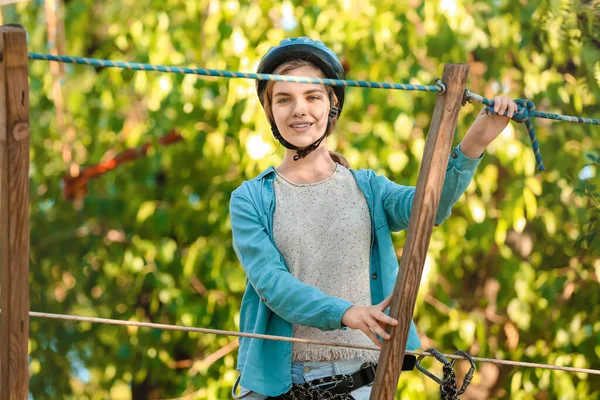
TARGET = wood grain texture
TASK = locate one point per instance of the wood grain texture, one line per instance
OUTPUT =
(424, 208)
(14, 213)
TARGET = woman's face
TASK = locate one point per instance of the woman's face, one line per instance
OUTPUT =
(300, 110)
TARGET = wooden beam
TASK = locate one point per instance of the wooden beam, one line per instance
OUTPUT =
(424, 208)
(14, 213)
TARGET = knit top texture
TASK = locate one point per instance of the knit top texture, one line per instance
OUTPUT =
(323, 231)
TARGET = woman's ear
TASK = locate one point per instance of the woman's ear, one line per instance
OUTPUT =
(336, 102)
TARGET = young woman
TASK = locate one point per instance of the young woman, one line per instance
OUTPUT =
(313, 237)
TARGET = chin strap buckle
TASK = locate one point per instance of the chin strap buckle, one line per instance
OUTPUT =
(334, 112)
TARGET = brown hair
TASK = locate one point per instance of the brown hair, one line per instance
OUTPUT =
(268, 93)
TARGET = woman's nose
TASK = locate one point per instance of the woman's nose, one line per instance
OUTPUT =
(299, 108)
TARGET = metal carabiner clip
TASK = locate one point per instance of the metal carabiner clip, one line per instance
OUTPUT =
(441, 358)
(438, 356)
(469, 375)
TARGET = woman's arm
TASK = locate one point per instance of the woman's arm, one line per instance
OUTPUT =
(398, 199)
(486, 127)
(464, 158)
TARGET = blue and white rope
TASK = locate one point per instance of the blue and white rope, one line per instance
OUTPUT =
(95, 62)
(525, 112)
(526, 109)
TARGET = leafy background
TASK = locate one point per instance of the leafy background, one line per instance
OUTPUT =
(512, 274)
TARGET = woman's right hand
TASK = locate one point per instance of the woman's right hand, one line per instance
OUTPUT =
(370, 320)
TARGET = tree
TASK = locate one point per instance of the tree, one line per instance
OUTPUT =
(151, 240)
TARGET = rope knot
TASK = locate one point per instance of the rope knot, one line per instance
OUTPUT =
(524, 110)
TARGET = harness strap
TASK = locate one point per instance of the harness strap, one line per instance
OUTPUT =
(338, 387)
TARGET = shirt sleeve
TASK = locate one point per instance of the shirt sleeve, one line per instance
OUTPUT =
(285, 295)
(398, 199)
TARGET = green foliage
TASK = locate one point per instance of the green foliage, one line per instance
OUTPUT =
(588, 188)
(512, 274)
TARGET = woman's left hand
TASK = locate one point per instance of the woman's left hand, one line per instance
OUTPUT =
(486, 128)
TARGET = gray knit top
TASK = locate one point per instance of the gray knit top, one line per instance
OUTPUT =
(323, 231)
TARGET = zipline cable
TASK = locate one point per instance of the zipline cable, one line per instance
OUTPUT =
(298, 340)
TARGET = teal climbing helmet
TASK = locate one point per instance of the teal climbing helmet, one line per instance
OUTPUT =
(303, 48)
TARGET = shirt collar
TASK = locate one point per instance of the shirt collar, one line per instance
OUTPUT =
(268, 173)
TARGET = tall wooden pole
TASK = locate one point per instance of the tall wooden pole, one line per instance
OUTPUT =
(425, 204)
(14, 213)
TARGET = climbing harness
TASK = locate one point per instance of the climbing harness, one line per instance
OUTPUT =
(448, 385)
(337, 387)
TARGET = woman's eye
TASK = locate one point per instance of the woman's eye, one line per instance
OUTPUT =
(314, 98)
(282, 100)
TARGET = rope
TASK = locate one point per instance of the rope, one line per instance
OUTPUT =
(298, 340)
(95, 62)
(526, 108)
(525, 112)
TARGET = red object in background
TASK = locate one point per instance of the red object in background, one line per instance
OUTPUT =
(76, 187)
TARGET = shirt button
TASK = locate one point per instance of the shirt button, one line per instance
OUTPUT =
(306, 370)
(374, 276)
(263, 299)
(454, 155)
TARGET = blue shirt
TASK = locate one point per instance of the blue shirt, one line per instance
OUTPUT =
(274, 299)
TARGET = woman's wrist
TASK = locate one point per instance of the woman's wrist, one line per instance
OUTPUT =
(344, 317)
(472, 144)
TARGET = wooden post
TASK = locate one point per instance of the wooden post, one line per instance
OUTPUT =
(425, 204)
(14, 213)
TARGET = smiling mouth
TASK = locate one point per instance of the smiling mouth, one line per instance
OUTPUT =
(300, 126)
